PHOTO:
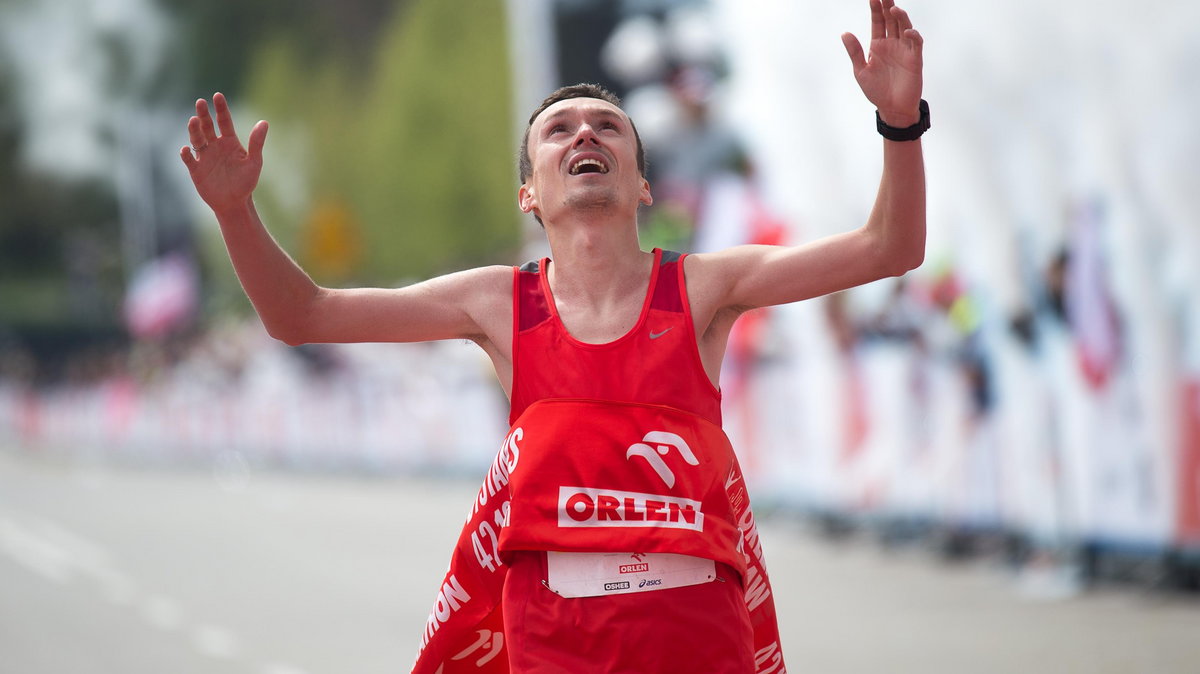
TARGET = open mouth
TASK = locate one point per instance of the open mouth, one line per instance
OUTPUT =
(588, 165)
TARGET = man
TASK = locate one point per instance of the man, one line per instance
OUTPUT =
(610, 356)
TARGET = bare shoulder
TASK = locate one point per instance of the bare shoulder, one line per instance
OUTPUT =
(712, 277)
(484, 293)
(490, 287)
(490, 280)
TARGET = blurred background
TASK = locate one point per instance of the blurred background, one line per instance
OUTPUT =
(1026, 404)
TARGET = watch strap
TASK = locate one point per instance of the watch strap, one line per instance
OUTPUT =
(905, 133)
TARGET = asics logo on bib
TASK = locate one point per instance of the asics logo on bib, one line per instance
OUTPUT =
(663, 442)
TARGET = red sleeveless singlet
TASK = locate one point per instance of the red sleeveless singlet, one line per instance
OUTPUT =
(699, 628)
(656, 362)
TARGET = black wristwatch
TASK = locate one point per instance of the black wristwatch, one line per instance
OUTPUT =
(909, 132)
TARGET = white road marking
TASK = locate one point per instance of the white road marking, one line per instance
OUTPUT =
(34, 553)
(83, 552)
(58, 555)
(215, 642)
(162, 612)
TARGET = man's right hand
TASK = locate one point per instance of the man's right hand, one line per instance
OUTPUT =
(223, 172)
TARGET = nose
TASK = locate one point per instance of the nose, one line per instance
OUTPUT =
(586, 134)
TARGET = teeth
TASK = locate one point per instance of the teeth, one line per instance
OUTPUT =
(588, 162)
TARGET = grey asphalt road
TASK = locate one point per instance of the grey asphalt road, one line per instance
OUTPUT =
(152, 570)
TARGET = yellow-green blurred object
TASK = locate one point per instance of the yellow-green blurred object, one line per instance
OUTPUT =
(417, 150)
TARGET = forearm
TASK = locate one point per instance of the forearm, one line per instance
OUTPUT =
(897, 221)
(281, 292)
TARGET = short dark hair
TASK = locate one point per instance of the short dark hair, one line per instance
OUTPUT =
(525, 164)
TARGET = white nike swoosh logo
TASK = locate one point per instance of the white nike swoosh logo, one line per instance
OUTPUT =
(656, 335)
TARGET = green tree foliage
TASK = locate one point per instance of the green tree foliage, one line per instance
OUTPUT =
(222, 36)
(416, 149)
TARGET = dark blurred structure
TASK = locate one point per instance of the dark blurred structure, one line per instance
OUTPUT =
(97, 205)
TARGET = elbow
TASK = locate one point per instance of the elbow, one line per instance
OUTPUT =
(292, 329)
(907, 254)
(896, 255)
(288, 334)
(290, 339)
(911, 261)
(898, 263)
(294, 325)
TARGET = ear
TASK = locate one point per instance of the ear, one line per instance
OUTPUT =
(644, 196)
(526, 199)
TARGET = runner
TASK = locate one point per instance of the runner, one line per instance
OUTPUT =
(613, 532)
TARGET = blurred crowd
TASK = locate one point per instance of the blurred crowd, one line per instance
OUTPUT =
(233, 394)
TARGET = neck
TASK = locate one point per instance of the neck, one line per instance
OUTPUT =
(595, 262)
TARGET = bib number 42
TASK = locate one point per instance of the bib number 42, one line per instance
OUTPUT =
(486, 543)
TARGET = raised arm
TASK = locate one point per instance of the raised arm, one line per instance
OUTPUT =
(891, 242)
(293, 308)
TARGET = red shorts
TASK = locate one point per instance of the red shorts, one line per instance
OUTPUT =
(699, 628)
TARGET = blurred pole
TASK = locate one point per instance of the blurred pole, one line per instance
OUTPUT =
(531, 44)
(531, 40)
(134, 181)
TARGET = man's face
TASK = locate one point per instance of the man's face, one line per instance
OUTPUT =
(584, 156)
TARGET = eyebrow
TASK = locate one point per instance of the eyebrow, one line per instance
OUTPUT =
(601, 112)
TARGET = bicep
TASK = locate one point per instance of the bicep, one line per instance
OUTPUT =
(463, 305)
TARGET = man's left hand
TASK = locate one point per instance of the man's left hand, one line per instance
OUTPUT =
(891, 76)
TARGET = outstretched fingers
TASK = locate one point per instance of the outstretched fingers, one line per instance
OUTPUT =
(855, 50)
(878, 23)
(258, 136)
(207, 130)
(907, 34)
(891, 23)
(224, 117)
(196, 135)
(914, 38)
(903, 22)
(189, 159)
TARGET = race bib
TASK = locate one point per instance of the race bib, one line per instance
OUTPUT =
(594, 574)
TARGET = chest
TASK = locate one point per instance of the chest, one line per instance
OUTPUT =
(600, 324)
